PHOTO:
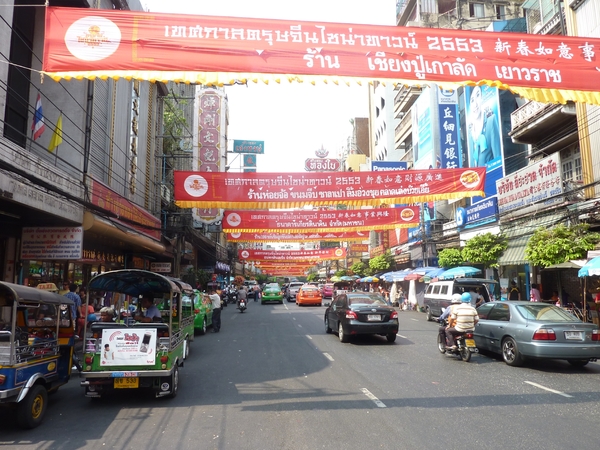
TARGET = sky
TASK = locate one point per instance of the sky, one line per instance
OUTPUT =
(293, 120)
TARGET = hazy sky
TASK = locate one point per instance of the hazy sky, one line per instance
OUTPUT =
(294, 120)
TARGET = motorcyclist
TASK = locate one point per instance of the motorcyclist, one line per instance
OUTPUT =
(463, 318)
(242, 295)
(456, 300)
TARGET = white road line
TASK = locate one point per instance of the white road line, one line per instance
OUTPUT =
(548, 389)
(375, 400)
(310, 337)
(299, 326)
(328, 356)
(403, 337)
(416, 320)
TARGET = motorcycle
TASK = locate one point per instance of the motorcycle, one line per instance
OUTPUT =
(223, 300)
(242, 305)
(232, 295)
(465, 344)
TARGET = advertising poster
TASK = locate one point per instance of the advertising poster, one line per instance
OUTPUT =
(484, 142)
(128, 347)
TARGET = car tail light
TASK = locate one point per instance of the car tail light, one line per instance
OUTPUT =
(596, 335)
(394, 315)
(196, 311)
(164, 359)
(351, 315)
(2, 378)
(89, 359)
(544, 334)
(469, 335)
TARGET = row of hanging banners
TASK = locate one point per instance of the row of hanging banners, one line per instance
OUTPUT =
(88, 43)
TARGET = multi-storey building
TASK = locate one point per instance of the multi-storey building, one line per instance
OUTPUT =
(83, 178)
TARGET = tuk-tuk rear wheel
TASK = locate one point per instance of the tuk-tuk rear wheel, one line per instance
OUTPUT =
(31, 410)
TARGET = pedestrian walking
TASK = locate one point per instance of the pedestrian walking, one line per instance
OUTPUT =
(216, 317)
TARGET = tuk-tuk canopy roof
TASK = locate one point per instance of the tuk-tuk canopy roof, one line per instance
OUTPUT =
(26, 293)
(185, 287)
(133, 282)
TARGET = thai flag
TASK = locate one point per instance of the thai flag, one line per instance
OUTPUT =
(37, 126)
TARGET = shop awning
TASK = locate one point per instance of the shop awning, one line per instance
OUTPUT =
(515, 252)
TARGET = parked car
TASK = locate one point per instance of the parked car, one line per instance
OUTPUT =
(272, 293)
(518, 330)
(202, 312)
(439, 293)
(355, 313)
(309, 294)
(292, 290)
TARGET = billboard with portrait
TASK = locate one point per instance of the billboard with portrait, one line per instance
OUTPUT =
(484, 140)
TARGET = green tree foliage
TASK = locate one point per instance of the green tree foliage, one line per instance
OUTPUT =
(194, 277)
(312, 277)
(381, 262)
(341, 273)
(358, 268)
(560, 244)
(450, 257)
(174, 124)
(485, 249)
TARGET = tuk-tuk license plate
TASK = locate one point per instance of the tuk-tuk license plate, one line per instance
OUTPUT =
(470, 342)
(127, 383)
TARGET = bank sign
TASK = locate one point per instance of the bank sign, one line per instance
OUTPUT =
(540, 182)
(483, 210)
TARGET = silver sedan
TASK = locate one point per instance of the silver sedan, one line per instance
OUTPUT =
(518, 330)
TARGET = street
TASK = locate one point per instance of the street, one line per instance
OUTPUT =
(273, 379)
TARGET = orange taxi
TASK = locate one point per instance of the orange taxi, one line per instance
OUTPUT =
(309, 294)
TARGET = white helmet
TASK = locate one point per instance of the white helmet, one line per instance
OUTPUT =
(456, 298)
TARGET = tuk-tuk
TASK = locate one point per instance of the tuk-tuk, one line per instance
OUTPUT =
(37, 337)
(130, 354)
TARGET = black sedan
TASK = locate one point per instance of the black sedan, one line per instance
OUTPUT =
(518, 330)
(355, 313)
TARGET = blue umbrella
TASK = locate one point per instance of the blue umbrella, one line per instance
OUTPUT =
(591, 268)
(462, 271)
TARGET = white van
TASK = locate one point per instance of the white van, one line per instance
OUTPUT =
(439, 293)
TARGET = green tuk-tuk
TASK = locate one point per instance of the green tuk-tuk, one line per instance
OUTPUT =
(126, 353)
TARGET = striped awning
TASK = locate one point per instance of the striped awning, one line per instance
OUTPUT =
(515, 252)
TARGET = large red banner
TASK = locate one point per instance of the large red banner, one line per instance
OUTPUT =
(292, 255)
(333, 220)
(290, 190)
(297, 237)
(99, 43)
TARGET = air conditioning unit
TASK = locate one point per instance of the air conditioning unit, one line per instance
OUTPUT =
(165, 192)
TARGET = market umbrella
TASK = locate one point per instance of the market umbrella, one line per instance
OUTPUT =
(591, 268)
(420, 272)
(335, 278)
(462, 271)
(346, 278)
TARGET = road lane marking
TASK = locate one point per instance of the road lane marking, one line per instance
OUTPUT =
(548, 389)
(328, 356)
(403, 337)
(310, 337)
(416, 320)
(375, 400)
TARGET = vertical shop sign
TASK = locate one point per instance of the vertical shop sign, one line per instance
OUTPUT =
(448, 112)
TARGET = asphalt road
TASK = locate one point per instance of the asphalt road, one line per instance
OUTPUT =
(272, 379)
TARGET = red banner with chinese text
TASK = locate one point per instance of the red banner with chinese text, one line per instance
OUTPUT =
(297, 237)
(107, 43)
(289, 190)
(292, 255)
(321, 221)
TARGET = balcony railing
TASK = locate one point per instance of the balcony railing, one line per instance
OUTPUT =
(528, 111)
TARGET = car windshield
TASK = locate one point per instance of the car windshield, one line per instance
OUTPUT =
(546, 313)
(367, 299)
